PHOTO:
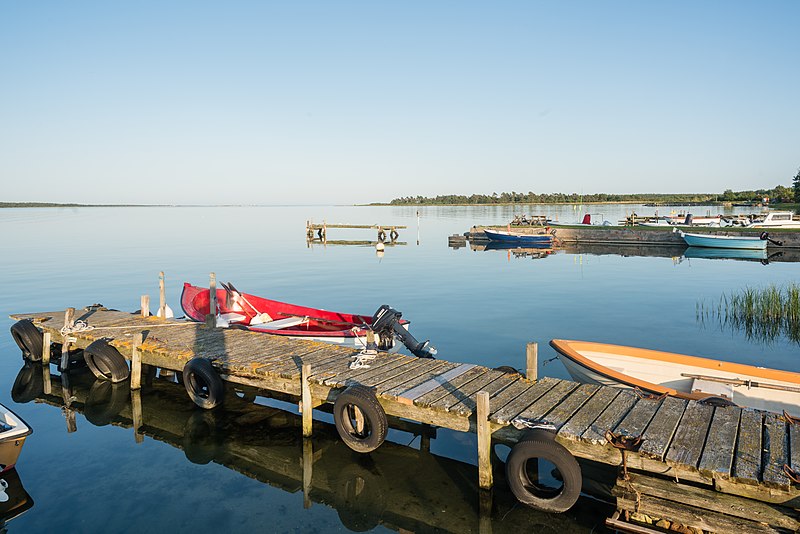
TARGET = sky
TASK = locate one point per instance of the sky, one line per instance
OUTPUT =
(338, 102)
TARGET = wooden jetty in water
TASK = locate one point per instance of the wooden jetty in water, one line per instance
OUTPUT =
(321, 230)
(745, 454)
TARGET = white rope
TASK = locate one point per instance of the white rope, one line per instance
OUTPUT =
(360, 360)
(79, 326)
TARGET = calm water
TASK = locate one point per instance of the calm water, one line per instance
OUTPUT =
(475, 306)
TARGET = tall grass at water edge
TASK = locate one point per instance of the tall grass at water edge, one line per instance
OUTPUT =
(764, 314)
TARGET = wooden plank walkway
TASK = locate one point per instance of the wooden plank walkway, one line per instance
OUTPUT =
(737, 451)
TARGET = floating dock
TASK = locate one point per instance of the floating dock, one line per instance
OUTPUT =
(725, 449)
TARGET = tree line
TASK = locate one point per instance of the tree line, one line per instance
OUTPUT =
(778, 194)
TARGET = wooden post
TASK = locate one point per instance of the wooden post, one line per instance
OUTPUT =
(136, 361)
(306, 400)
(136, 414)
(69, 322)
(162, 296)
(69, 413)
(308, 470)
(532, 357)
(145, 306)
(211, 318)
(484, 512)
(47, 387)
(484, 442)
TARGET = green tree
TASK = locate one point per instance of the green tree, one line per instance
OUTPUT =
(797, 186)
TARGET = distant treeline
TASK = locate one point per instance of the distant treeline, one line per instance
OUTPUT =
(777, 194)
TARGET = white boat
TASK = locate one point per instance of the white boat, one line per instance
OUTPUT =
(680, 375)
(775, 219)
(724, 241)
(13, 432)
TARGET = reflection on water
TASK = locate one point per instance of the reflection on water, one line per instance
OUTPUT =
(14, 500)
(478, 307)
(399, 487)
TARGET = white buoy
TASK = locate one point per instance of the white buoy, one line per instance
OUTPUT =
(380, 247)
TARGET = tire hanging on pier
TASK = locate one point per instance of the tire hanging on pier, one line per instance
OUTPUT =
(105, 362)
(203, 383)
(541, 444)
(360, 419)
(28, 339)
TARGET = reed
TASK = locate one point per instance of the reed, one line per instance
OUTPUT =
(763, 314)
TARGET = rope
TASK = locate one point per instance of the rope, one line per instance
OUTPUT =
(79, 326)
(360, 360)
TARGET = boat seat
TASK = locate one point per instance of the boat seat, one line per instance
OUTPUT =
(718, 389)
(280, 324)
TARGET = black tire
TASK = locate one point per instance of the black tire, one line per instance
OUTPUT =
(28, 339)
(538, 445)
(105, 362)
(200, 437)
(202, 383)
(360, 499)
(29, 383)
(105, 401)
(360, 401)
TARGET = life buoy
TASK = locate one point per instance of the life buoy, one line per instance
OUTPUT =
(105, 362)
(202, 383)
(28, 339)
(360, 419)
(533, 445)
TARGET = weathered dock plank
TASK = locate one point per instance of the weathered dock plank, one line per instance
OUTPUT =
(588, 414)
(720, 448)
(611, 417)
(542, 406)
(468, 404)
(450, 388)
(515, 405)
(776, 451)
(747, 462)
(690, 436)
(564, 410)
(661, 429)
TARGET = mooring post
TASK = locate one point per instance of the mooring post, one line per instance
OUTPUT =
(162, 296)
(308, 470)
(145, 305)
(306, 400)
(47, 387)
(69, 322)
(532, 359)
(211, 318)
(484, 442)
(136, 361)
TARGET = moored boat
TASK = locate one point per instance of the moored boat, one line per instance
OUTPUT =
(724, 241)
(518, 238)
(680, 375)
(775, 219)
(259, 314)
(13, 433)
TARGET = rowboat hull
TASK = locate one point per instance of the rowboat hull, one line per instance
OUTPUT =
(282, 319)
(521, 239)
(724, 241)
(13, 433)
(680, 375)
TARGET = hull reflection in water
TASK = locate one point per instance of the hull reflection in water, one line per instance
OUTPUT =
(396, 486)
(14, 500)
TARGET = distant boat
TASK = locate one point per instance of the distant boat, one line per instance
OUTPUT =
(586, 221)
(724, 241)
(680, 375)
(518, 238)
(775, 219)
(13, 432)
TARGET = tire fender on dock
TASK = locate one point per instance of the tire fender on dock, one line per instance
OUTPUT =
(28, 339)
(105, 362)
(533, 445)
(360, 419)
(203, 383)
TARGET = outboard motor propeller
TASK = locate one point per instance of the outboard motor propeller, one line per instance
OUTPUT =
(765, 237)
(386, 321)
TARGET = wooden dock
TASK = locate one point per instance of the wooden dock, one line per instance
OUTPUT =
(740, 452)
(384, 231)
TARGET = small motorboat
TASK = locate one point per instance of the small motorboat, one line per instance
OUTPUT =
(725, 241)
(518, 238)
(301, 322)
(679, 375)
(13, 432)
(775, 219)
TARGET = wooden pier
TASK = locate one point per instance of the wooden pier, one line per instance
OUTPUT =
(724, 449)
(385, 232)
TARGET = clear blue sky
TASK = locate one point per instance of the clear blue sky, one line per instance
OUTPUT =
(351, 102)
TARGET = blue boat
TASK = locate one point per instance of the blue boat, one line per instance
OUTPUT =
(520, 239)
(724, 241)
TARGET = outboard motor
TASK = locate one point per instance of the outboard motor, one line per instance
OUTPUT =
(386, 322)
